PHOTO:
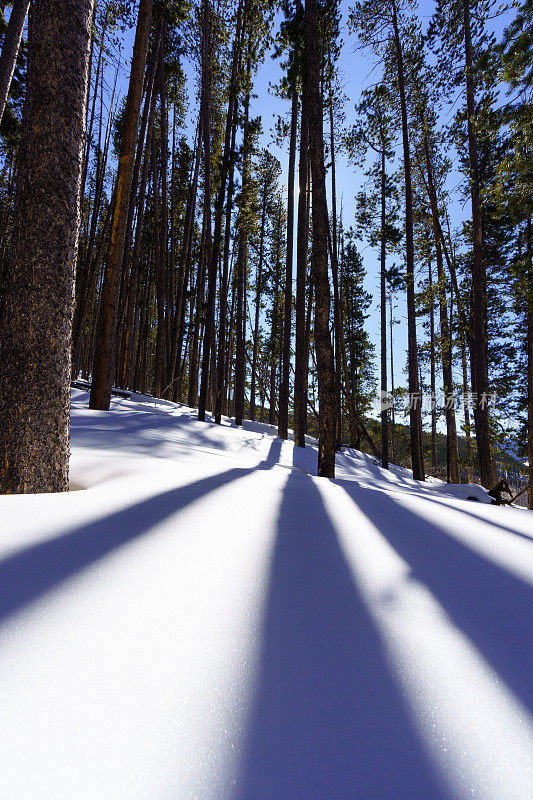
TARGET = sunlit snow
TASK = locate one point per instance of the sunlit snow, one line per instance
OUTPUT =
(201, 617)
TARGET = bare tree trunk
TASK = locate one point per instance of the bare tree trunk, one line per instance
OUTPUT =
(205, 112)
(302, 244)
(530, 364)
(283, 411)
(337, 308)
(10, 48)
(35, 340)
(432, 372)
(240, 339)
(228, 170)
(446, 343)
(140, 178)
(393, 410)
(183, 275)
(383, 309)
(103, 365)
(258, 291)
(478, 337)
(324, 350)
(192, 396)
(415, 415)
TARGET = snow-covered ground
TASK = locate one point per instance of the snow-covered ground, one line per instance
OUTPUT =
(203, 618)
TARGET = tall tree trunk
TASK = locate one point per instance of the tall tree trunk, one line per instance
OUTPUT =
(103, 365)
(283, 411)
(205, 112)
(35, 340)
(383, 309)
(258, 291)
(192, 397)
(415, 413)
(478, 313)
(240, 343)
(302, 244)
(161, 249)
(324, 350)
(140, 178)
(183, 277)
(10, 48)
(224, 351)
(89, 131)
(274, 343)
(466, 409)
(432, 370)
(393, 410)
(228, 167)
(452, 461)
(529, 342)
(337, 308)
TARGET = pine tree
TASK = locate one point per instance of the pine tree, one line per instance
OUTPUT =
(324, 350)
(104, 357)
(377, 208)
(35, 338)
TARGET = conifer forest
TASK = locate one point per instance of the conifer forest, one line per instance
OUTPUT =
(307, 213)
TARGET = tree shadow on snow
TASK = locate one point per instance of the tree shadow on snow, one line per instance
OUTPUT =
(26, 575)
(489, 604)
(30, 573)
(329, 722)
(477, 517)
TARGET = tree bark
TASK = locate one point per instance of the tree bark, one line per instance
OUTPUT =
(324, 350)
(478, 336)
(227, 172)
(10, 49)
(103, 364)
(205, 112)
(258, 292)
(302, 244)
(35, 340)
(383, 310)
(432, 370)
(452, 461)
(415, 415)
(529, 343)
(337, 307)
(283, 410)
(241, 267)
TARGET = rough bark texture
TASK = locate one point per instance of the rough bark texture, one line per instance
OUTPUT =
(529, 343)
(334, 253)
(283, 414)
(241, 266)
(383, 303)
(478, 336)
(452, 460)
(224, 350)
(103, 365)
(10, 48)
(415, 415)
(205, 112)
(432, 369)
(226, 173)
(324, 350)
(35, 340)
(302, 242)
(258, 291)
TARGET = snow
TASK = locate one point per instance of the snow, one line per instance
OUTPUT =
(201, 617)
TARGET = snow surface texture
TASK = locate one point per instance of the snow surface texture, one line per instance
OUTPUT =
(205, 619)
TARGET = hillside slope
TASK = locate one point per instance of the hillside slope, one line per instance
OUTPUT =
(205, 619)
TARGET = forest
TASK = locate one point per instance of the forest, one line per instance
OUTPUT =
(312, 214)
